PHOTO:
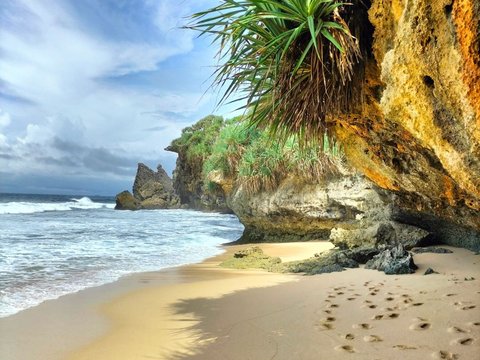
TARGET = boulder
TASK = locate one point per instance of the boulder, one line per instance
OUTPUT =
(348, 210)
(126, 201)
(392, 261)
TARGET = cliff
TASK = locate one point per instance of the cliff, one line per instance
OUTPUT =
(151, 190)
(418, 131)
(414, 138)
(193, 147)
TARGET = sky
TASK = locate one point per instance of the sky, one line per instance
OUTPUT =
(90, 88)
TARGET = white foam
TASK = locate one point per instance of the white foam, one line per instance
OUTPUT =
(70, 251)
(21, 207)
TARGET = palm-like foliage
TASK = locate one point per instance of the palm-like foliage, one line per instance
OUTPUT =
(292, 61)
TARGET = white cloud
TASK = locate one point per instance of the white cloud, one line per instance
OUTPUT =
(78, 83)
(4, 118)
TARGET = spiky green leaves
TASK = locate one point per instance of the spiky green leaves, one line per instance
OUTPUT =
(290, 61)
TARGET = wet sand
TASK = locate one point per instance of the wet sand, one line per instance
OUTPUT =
(206, 312)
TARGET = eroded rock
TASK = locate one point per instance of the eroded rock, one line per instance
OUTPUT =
(151, 190)
(395, 260)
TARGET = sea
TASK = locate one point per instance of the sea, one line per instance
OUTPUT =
(52, 245)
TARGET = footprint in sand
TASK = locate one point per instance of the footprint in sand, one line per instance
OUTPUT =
(333, 305)
(404, 347)
(389, 298)
(372, 338)
(373, 293)
(377, 317)
(367, 302)
(391, 308)
(351, 298)
(474, 324)
(469, 307)
(340, 293)
(346, 348)
(417, 304)
(364, 326)
(372, 306)
(349, 337)
(331, 296)
(449, 295)
(462, 341)
(393, 316)
(327, 311)
(324, 326)
(329, 319)
(444, 355)
(456, 330)
(420, 326)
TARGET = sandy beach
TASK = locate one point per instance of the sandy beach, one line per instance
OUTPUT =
(203, 311)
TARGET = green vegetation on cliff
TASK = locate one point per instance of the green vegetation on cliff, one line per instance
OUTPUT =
(197, 140)
(247, 156)
(250, 157)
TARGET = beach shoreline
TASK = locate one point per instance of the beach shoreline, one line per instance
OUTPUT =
(203, 311)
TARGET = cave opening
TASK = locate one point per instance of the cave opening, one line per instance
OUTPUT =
(429, 82)
(448, 9)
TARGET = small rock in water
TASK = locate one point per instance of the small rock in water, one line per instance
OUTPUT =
(430, 271)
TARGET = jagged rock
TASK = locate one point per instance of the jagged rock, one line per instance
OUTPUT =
(430, 271)
(151, 190)
(432, 249)
(395, 260)
(126, 201)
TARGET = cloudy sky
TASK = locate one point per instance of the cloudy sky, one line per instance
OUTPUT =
(90, 88)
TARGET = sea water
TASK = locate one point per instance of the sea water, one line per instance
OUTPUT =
(52, 245)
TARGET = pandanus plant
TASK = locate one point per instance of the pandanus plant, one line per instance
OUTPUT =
(291, 63)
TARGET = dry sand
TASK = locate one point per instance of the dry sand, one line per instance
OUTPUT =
(206, 312)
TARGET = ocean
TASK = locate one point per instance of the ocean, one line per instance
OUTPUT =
(52, 245)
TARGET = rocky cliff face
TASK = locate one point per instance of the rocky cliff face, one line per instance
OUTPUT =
(151, 190)
(418, 132)
(348, 210)
(189, 185)
(415, 137)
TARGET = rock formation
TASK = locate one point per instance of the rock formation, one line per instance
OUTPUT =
(415, 137)
(151, 190)
(190, 187)
(418, 131)
(348, 210)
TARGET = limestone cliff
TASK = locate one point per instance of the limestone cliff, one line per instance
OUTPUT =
(190, 186)
(348, 210)
(151, 190)
(418, 131)
(193, 147)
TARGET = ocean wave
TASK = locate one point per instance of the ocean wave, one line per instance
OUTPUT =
(23, 207)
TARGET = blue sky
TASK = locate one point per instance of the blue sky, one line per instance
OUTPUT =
(90, 88)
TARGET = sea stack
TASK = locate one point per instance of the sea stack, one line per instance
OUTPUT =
(151, 190)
